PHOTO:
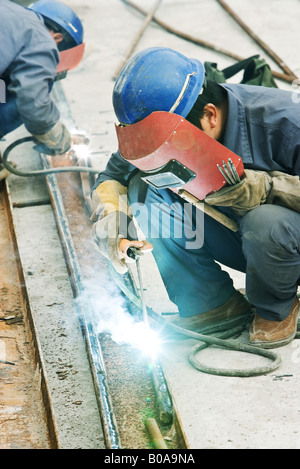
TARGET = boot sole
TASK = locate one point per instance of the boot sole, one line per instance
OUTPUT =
(275, 343)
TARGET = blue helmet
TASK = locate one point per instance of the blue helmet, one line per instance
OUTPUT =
(157, 79)
(62, 15)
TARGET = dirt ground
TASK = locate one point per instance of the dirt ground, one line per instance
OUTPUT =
(22, 418)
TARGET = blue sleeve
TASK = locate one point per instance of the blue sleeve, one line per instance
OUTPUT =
(29, 58)
(117, 169)
(294, 156)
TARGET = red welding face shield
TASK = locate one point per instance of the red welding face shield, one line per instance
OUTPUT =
(173, 153)
(69, 59)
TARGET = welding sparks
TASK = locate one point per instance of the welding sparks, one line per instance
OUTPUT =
(81, 151)
(136, 334)
(145, 339)
(80, 145)
(111, 316)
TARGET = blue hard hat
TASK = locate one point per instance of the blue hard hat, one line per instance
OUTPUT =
(157, 79)
(62, 15)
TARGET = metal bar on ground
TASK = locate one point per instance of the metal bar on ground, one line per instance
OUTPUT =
(257, 39)
(200, 42)
(155, 434)
(85, 315)
(137, 37)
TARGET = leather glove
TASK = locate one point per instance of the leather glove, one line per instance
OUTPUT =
(252, 191)
(114, 224)
(257, 188)
(56, 141)
(285, 190)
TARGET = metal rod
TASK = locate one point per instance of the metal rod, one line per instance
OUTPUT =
(137, 37)
(142, 296)
(234, 171)
(163, 398)
(211, 211)
(155, 434)
(85, 315)
(281, 76)
(224, 174)
(227, 171)
(259, 41)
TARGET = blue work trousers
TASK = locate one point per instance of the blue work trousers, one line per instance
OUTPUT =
(188, 243)
(10, 118)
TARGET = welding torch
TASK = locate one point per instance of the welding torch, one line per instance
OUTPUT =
(135, 253)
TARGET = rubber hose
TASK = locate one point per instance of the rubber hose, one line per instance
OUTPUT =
(41, 172)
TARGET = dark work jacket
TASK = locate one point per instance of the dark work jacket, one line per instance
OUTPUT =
(263, 128)
(29, 58)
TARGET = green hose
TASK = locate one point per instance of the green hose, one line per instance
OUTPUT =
(41, 172)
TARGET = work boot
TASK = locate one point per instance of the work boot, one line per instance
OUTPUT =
(235, 312)
(271, 334)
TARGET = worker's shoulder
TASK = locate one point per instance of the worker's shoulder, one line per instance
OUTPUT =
(14, 16)
(20, 26)
(9, 8)
(245, 91)
(265, 104)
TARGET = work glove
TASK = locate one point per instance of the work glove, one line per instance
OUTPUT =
(56, 141)
(114, 231)
(257, 188)
(285, 190)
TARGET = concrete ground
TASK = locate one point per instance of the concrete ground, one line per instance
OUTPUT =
(216, 412)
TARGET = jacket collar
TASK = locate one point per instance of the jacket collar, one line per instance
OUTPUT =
(236, 137)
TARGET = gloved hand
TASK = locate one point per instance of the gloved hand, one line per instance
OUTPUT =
(114, 231)
(56, 141)
(253, 190)
(285, 190)
(259, 187)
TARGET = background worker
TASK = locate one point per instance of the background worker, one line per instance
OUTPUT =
(259, 124)
(32, 40)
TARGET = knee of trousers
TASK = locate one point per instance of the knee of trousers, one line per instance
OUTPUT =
(271, 229)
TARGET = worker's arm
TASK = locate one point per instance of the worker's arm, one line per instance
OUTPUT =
(28, 64)
(114, 230)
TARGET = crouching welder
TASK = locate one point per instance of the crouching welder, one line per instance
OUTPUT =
(175, 130)
(39, 44)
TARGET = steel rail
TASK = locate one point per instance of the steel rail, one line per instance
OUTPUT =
(86, 315)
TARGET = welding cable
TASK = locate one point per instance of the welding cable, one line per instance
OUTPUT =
(41, 172)
(208, 340)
